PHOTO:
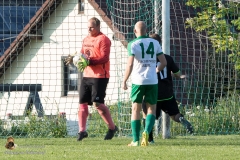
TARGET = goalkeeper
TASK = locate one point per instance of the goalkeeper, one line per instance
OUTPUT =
(166, 101)
(94, 63)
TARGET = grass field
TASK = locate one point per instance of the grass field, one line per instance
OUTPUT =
(182, 148)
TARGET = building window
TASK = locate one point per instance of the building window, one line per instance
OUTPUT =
(80, 6)
(71, 79)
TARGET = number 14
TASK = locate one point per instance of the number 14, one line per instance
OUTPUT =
(150, 49)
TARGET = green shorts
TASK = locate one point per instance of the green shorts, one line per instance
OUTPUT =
(148, 91)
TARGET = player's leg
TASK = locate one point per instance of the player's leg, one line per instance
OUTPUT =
(136, 98)
(144, 113)
(158, 119)
(180, 119)
(151, 100)
(84, 98)
(98, 94)
(149, 123)
(135, 123)
(171, 108)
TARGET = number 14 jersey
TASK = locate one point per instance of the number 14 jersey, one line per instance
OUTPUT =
(145, 51)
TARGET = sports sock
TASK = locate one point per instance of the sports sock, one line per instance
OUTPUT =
(82, 117)
(183, 121)
(106, 116)
(136, 125)
(151, 133)
(150, 120)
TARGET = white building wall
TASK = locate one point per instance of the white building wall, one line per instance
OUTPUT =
(40, 62)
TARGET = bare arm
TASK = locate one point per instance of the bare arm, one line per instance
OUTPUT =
(163, 62)
(177, 74)
(69, 58)
(128, 71)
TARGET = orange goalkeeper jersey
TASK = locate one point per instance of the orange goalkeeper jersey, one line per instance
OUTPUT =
(97, 49)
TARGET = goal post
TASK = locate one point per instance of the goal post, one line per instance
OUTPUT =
(166, 50)
(204, 60)
(201, 36)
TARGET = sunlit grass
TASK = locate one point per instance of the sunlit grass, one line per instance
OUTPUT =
(184, 147)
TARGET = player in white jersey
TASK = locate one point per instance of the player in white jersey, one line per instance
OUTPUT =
(141, 64)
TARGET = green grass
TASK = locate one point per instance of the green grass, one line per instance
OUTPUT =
(184, 147)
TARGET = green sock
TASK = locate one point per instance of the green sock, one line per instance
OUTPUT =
(136, 125)
(150, 120)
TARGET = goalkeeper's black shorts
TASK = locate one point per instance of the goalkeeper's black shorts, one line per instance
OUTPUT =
(93, 90)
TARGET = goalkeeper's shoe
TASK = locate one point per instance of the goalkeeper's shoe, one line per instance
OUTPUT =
(82, 135)
(144, 139)
(133, 144)
(111, 133)
(186, 124)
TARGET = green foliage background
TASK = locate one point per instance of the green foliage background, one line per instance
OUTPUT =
(221, 22)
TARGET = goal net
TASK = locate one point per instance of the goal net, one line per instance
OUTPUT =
(204, 39)
(124, 14)
(39, 93)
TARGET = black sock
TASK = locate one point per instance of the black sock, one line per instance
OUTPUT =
(150, 138)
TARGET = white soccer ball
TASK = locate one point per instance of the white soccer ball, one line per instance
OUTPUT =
(77, 58)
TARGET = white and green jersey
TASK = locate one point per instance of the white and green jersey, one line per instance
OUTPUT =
(145, 51)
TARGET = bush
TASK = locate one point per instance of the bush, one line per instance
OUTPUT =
(34, 127)
(221, 119)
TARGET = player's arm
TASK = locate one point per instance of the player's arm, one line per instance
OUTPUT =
(69, 58)
(74, 57)
(177, 74)
(103, 57)
(163, 62)
(78, 59)
(128, 71)
(174, 68)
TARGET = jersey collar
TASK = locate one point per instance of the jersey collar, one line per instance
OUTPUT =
(142, 37)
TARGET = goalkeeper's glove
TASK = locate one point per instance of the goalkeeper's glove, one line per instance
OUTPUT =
(83, 63)
(78, 59)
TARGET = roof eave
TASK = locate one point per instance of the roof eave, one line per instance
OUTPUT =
(29, 32)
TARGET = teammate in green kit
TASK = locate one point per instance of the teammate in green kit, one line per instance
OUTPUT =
(141, 65)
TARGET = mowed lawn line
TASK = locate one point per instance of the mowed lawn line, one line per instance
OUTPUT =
(186, 147)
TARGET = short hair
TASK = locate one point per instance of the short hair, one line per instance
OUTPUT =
(97, 21)
(156, 37)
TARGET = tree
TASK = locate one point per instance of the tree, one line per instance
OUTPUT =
(221, 22)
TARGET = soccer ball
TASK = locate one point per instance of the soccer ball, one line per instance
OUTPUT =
(77, 58)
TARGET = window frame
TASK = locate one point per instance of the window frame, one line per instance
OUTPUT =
(67, 80)
(81, 5)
